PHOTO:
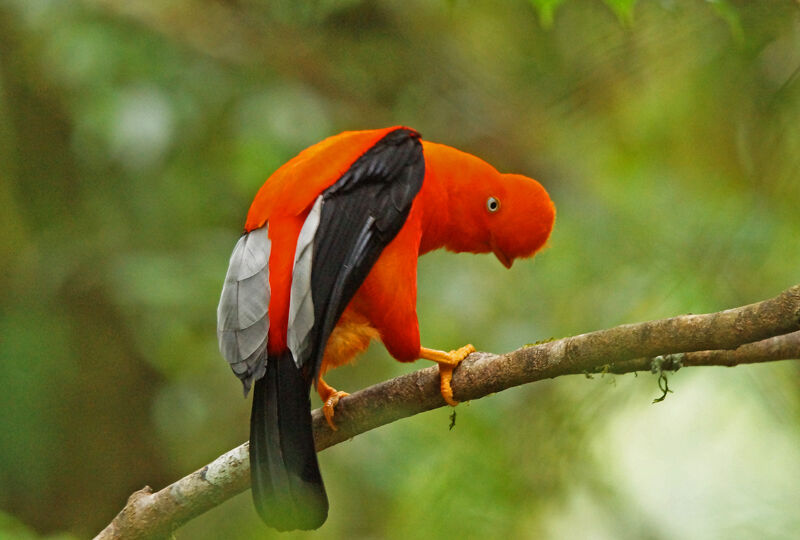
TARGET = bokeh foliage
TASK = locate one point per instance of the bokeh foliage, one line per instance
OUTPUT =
(133, 136)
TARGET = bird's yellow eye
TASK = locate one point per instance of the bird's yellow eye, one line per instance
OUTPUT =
(492, 204)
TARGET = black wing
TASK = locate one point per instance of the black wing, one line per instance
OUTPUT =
(360, 215)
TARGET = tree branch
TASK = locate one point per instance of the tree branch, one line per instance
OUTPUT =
(761, 332)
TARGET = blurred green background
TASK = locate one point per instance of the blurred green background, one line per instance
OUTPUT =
(133, 136)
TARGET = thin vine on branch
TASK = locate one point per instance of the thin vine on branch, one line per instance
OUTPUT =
(761, 332)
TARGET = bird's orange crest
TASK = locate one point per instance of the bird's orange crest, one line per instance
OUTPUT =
(472, 207)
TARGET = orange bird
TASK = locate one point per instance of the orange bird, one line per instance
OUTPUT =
(328, 262)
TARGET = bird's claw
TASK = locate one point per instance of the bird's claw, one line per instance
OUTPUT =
(329, 405)
(447, 363)
(446, 372)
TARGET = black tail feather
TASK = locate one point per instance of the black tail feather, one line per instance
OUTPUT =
(287, 486)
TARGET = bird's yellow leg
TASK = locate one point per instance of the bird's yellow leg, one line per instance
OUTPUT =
(330, 398)
(447, 363)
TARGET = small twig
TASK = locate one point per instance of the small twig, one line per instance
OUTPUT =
(657, 365)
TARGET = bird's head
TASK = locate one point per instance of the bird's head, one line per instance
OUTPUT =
(519, 216)
(480, 210)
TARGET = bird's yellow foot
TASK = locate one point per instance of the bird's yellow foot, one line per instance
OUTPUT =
(330, 398)
(447, 363)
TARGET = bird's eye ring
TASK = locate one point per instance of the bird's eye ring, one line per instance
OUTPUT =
(492, 204)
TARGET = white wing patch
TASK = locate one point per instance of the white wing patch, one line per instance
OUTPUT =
(242, 315)
(301, 305)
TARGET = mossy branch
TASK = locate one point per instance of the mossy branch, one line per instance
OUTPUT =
(761, 332)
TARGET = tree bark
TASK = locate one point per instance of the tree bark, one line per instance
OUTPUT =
(761, 332)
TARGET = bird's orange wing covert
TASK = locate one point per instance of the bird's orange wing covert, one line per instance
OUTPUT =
(328, 262)
(292, 189)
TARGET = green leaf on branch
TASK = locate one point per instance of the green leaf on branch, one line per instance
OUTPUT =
(623, 9)
(730, 15)
(546, 10)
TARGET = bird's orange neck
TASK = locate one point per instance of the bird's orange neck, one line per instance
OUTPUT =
(442, 205)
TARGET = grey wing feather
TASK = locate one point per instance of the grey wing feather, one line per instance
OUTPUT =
(251, 338)
(250, 302)
(301, 305)
(243, 312)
